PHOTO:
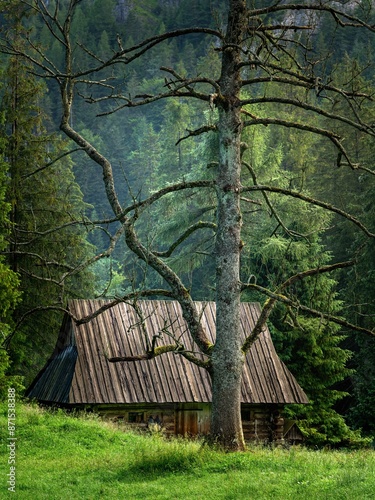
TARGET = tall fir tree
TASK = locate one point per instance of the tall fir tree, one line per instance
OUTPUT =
(47, 244)
(9, 282)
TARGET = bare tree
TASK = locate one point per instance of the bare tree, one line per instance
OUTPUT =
(253, 50)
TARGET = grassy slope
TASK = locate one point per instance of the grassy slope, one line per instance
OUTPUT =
(61, 457)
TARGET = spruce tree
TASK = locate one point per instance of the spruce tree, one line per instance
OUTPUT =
(46, 242)
(9, 282)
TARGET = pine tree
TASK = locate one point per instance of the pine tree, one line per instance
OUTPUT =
(9, 282)
(47, 245)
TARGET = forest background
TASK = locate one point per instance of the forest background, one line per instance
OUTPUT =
(57, 241)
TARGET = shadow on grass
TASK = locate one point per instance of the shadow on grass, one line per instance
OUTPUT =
(174, 458)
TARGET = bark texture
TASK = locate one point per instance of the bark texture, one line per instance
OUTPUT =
(227, 357)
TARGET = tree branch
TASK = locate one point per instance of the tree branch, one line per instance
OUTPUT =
(126, 298)
(177, 349)
(313, 201)
(268, 201)
(50, 163)
(147, 355)
(294, 78)
(277, 296)
(190, 230)
(308, 107)
(147, 99)
(199, 131)
(178, 290)
(334, 138)
(7, 341)
(320, 7)
(162, 192)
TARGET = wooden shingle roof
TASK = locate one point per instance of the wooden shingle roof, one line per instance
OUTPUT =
(168, 378)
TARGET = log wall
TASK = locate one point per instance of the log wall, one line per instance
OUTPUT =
(261, 424)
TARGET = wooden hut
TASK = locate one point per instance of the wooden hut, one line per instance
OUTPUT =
(167, 391)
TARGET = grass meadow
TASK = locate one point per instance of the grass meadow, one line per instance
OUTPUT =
(67, 457)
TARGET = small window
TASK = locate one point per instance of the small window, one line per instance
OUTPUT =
(245, 415)
(136, 417)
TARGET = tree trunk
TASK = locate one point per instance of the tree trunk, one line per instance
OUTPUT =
(227, 357)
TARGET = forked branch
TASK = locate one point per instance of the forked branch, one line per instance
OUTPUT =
(278, 296)
(313, 201)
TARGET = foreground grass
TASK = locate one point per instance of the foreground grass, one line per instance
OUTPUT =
(59, 457)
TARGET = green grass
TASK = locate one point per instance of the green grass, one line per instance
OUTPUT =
(61, 457)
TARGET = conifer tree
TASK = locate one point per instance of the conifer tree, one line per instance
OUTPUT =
(9, 283)
(46, 246)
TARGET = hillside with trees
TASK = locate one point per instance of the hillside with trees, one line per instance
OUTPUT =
(84, 97)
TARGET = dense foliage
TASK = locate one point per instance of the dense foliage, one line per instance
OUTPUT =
(9, 282)
(44, 245)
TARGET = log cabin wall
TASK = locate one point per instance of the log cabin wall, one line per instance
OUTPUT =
(192, 420)
(141, 416)
(262, 424)
(182, 419)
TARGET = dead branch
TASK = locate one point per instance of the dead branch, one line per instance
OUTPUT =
(199, 131)
(6, 342)
(278, 296)
(158, 351)
(176, 91)
(359, 124)
(291, 77)
(338, 15)
(147, 355)
(334, 138)
(51, 163)
(268, 201)
(126, 298)
(164, 191)
(313, 201)
(190, 230)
